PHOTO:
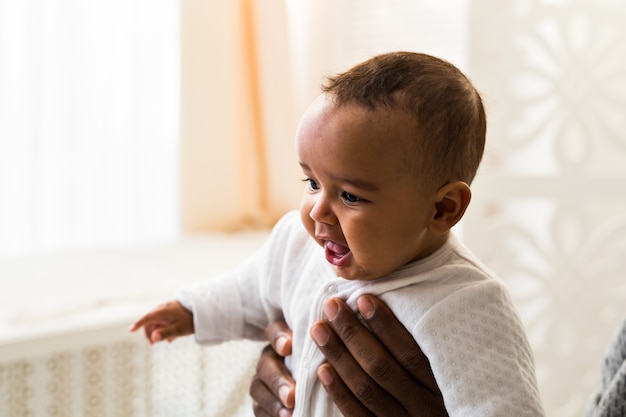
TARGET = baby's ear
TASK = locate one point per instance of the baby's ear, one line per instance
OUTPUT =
(450, 204)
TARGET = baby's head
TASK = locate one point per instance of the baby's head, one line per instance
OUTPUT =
(389, 150)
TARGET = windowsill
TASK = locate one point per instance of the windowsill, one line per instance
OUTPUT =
(70, 299)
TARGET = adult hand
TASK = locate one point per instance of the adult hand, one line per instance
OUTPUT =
(381, 372)
(273, 389)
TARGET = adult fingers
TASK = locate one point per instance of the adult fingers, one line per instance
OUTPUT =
(265, 403)
(280, 336)
(340, 394)
(258, 411)
(272, 375)
(419, 394)
(359, 359)
(397, 340)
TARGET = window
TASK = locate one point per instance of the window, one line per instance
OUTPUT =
(89, 110)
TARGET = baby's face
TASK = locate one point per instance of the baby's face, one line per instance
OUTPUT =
(360, 202)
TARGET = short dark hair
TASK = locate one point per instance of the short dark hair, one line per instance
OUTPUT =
(449, 113)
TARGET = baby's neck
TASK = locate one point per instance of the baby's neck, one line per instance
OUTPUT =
(433, 243)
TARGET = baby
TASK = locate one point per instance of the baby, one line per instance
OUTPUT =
(388, 151)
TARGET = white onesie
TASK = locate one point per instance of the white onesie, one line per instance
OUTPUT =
(457, 311)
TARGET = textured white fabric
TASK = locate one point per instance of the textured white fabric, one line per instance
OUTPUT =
(455, 309)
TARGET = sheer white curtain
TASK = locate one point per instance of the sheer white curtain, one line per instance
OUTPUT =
(89, 115)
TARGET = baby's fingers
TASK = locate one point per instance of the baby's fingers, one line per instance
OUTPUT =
(152, 318)
(167, 321)
(161, 315)
(168, 332)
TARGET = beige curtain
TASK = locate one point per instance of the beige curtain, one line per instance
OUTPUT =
(238, 163)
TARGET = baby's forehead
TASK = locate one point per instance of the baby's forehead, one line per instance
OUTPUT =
(384, 124)
(396, 131)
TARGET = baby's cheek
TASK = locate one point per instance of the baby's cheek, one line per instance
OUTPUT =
(306, 220)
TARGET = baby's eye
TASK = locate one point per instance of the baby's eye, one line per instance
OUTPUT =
(350, 198)
(312, 184)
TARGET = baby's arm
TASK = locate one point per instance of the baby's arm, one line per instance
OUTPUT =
(167, 321)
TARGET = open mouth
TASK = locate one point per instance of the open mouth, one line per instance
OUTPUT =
(336, 254)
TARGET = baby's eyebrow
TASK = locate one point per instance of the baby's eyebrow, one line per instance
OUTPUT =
(357, 183)
(354, 182)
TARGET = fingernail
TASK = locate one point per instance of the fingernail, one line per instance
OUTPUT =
(319, 334)
(283, 412)
(280, 343)
(331, 309)
(157, 337)
(366, 307)
(283, 394)
(325, 376)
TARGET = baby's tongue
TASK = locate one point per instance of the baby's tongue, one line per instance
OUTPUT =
(338, 249)
(336, 254)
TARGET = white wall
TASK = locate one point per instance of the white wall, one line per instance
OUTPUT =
(549, 200)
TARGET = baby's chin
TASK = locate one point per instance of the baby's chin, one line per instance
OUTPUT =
(355, 273)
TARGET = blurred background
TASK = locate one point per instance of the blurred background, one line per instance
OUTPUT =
(132, 125)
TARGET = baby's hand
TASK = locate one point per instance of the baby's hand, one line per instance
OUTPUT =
(167, 321)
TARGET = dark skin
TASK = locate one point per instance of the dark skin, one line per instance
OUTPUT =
(380, 372)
